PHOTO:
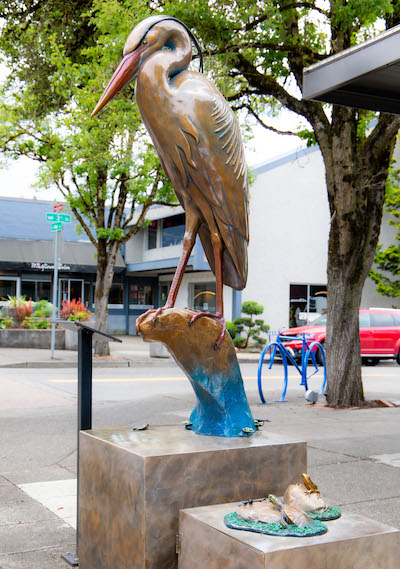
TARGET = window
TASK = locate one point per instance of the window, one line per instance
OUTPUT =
(173, 230)
(141, 295)
(365, 321)
(152, 235)
(7, 287)
(116, 295)
(36, 290)
(306, 300)
(164, 290)
(88, 293)
(382, 319)
(204, 297)
(28, 290)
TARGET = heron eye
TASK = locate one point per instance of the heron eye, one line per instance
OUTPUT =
(144, 42)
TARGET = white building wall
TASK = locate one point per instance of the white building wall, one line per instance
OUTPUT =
(289, 224)
(183, 298)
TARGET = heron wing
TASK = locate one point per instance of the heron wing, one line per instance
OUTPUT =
(207, 162)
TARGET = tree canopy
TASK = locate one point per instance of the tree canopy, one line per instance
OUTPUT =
(256, 52)
(106, 169)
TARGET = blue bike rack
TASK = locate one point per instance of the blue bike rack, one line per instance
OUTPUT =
(276, 345)
(308, 351)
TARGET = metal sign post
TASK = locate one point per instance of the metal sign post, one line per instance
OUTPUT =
(55, 292)
(57, 220)
(85, 371)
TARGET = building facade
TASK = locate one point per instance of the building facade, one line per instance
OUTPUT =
(289, 229)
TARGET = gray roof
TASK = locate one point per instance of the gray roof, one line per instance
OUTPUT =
(35, 255)
(366, 75)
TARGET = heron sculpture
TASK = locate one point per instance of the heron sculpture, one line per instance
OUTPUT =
(198, 141)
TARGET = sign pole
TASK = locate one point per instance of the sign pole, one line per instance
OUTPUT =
(55, 293)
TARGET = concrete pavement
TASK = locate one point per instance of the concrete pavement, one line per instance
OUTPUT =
(353, 455)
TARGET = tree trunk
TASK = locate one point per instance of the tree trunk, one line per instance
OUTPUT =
(105, 273)
(356, 189)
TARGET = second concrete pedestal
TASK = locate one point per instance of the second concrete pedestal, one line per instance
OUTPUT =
(133, 484)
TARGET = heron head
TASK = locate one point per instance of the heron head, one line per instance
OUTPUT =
(145, 39)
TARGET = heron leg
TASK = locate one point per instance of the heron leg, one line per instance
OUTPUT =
(192, 227)
(219, 314)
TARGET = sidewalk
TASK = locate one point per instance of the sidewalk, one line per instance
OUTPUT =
(132, 351)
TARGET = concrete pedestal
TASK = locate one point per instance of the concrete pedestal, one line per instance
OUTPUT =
(352, 542)
(133, 484)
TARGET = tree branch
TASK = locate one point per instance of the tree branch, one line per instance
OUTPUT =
(387, 127)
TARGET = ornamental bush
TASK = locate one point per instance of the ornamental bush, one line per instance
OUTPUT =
(75, 310)
(43, 309)
(251, 328)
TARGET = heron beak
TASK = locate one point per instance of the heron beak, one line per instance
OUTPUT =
(124, 73)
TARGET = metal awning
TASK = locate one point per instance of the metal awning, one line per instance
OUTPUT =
(38, 256)
(365, 76)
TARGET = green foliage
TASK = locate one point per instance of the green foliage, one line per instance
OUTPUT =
(386, 273)
(232, 330)
(15, 301)
(32, 323)
(43, 309)
(62, 55)
(252, 328)
(7, 322)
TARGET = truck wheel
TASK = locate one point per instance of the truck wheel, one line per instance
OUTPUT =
(370, 361)
(318, 355)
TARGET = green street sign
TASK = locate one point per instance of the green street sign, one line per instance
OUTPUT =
(56, 226)
(58, 217)
(63, 217)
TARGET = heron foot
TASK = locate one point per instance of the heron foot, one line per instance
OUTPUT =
(217, 317)
(156, 311)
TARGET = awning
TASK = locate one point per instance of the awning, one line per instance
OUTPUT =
(38, 256)
(365, 76)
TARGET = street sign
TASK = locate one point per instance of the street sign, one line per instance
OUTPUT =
(56, 226)
(58, 207)
(58, 217)
(64, 218)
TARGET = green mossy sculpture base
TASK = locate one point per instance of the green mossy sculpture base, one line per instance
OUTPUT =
(233, 521)
(330, 514)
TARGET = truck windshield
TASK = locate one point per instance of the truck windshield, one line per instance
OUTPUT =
(321, 321)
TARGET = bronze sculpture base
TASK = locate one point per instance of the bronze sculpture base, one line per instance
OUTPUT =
(351, 542)
(133, 484)
(222, 408)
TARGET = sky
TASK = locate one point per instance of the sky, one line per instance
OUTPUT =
(16, 181)
(18, 178)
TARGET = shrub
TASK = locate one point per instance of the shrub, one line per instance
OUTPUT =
(32, 323)
(74, 310)
(7, 322)
(251, 328)
(43, 309)
(42, 324)
(232, 330)
(23, 310)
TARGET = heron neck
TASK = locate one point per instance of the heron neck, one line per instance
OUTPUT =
(164, 65)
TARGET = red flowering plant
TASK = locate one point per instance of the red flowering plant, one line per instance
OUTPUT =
(75, 310)
(22, 308)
